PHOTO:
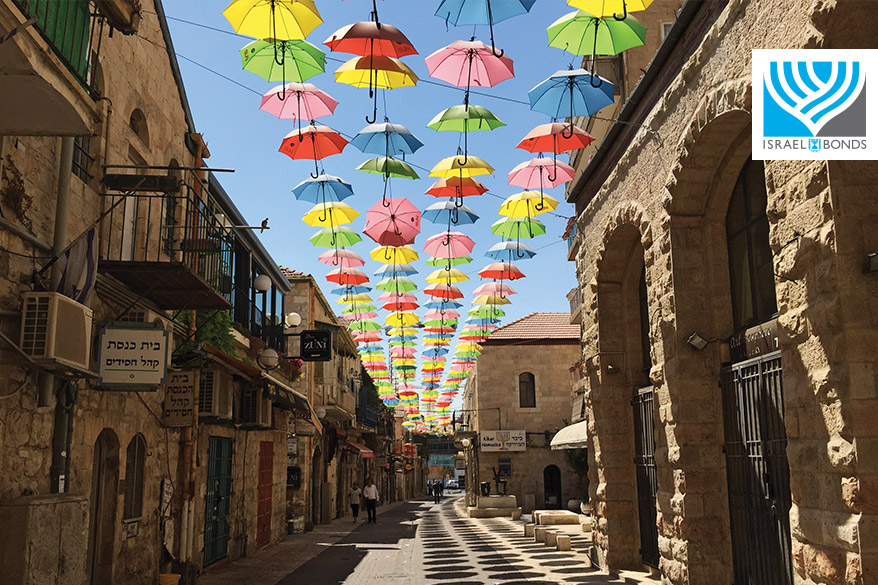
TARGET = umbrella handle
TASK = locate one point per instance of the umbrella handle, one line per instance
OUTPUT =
(384, 200)
(374, 108)
(465, 159)
(592, 78)
(567, 136)
(616, 16)
(375, 14)
(491, 28)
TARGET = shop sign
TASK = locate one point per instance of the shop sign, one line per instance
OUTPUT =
(502, 441)
(754, 342)
(180, 394)
(132, 356)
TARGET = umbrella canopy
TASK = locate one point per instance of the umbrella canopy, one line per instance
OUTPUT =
(455, 186)
(555, 137)
(518, 228)
(468, 63)
(448, 211)
(275, 19)
(465, 118)
(401, 319)
(330, 214)
(341, 257)
(352, 299)
(490, 12)
(283, 60)
(618, 9)
(527, 204)
(397, 297)
(447, 275)
(574, 92)
(389, 167)
(440, 314)
(322, 189)
(298, 100)
(312, 142)
(396, 269)
(539, 173)
(403, 351)
(394, 254)
(501, 271)
(494, 288)
(397, 284)
(400, 306)
(376, 72)
(445, 291)
(350, 289)
(582, 33)
(443, 304)
(393, 222)
(455, 166)
(465, 259)
(486, 312)
(347, 276)
(509, 251)
(491, 300)
(386, 139)
(448, 245)
(340, 236)
(370, 38)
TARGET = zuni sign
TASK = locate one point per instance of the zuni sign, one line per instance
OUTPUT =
(316, 346)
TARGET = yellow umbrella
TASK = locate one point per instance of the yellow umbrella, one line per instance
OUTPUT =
(491, 300)
(445, 275)
(330, 214)
(469, 346)
(282, 20)
(403, 331)
(376, 72)
(602, 8)
(357, 298)
(394, 254)
(461, 166)
(403, 362)
(527, 204)
(403, 319)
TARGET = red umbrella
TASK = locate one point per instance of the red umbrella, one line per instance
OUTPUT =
(370, 38)
(313, 142)
(456, 187)
(393, 222)
(449, 245)
(345, 276)
(400, 306)
(501, 271)
(556, 137)
(445, 291)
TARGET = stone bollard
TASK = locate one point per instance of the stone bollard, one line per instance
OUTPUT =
(516, 514)
(563, 542)
(551, 538)
(540, 533)
(528, 529)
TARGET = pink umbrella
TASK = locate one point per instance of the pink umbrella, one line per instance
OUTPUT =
(403, 351)
(341, 257)
(359, 316)
(494, 288)
(393, 222)
(467, 63)
(537, 172)
(449, 245)
(393, 297)
(298, 101)
(445, 291)
(438, 314)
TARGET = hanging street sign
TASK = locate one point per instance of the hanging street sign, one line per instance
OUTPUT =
(180, 396)
(132, 356)
(316, 346)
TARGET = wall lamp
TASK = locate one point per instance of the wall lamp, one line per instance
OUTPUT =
(611, 369)
(293, 319)
(262, 283)
(697, 341)
(872, 262)
(268, 359)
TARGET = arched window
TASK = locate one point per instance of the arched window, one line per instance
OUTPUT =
(135, 455)
(750, 261)
(527, 390)
(138, 125)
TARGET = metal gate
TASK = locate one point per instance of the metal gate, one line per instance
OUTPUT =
(644, 462)
(216, 499)
(757, 471)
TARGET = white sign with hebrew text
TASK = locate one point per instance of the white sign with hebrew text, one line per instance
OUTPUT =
(132, 357)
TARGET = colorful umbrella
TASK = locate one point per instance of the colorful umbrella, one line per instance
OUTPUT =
(401, 319)
(456, 187)
(351, 299)
(468, 63)
(582, 33)
(346, 276)
(393, 222)
(282, 20)
(501, 271)
(386, 139)
(554, 138)
(491, 300)
(453, 166)
(604, 8)
(313, 142)
(527, 204)
(310, 101)
(330, 214)
(335, 237)
(397, 284)
(341, 257)
(538, 173)
(448, 275)
(445, 291)
(389, 167)
(448, 245)
(375, 72)
(509, 250)
(396, 269)
(494, 288)
(486, 312)
(322, 189)
(350, 289)
(451, 213)
(283, 60)
(394, 255)
(370, 38)
(490, 12)
(465, 119)
(465, 259)
(400, 306)
(397, 297)
(575, 88)
(441, 314)
(518, 228)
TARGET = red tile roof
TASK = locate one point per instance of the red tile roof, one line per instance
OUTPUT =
(290, 273)
(538, 326)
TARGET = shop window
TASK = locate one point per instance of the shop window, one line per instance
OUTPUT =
(527, 392)
(135, 457)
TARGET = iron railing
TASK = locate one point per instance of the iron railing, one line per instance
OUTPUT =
(72, 29)
(82, 159)
(647, 484)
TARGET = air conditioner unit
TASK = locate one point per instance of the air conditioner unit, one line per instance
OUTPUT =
(215, 394)
(255, 407)
(56, 331)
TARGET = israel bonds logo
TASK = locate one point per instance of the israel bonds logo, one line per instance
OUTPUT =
(812, 104)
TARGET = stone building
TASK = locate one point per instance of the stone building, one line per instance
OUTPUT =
(729, 300)
(521, 383)
(111, 478)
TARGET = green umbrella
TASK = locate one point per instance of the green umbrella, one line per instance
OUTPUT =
(465, 119)
(440, 322)
(397, 284)
(335, 237)
(486, 312)
(518, 228)
(367, 325)
(582, 33)
(296, 60)
(389, 167)
(465, 259)
(360, 308)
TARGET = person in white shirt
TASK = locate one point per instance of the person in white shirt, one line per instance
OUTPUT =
(356, 494)
(370, 496)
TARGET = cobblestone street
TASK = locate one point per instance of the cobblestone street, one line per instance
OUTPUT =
(417, 542)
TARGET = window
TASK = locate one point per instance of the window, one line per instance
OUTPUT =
(135, 456)
(82, 158)
(139, 127)
(750, 260)
(527, 391)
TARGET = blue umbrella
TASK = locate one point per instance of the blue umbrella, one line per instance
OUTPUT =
(509, 250)
(443, 305)
(352, 289)
(386, 139)
(396, 270)
(490, 12)
(435, 352)
(447, 211)
(322, 189)
(575, 92)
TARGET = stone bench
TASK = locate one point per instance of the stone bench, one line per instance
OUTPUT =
(551, 538)
(516, 514)
(550, 517)
(562, 542)
(540, 533)
(528, 529)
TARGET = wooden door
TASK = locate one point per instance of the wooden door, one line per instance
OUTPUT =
(264, 490)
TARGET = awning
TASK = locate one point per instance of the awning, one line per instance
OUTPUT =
(286, 397)
(365, 452)
(573, 436)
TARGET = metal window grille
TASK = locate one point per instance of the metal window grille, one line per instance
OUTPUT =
(647, 484)
(82, 159)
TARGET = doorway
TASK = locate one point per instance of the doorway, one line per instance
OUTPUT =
(552, 487)
(264, 491)
(647, 485)
(216, 499)
(104, 494)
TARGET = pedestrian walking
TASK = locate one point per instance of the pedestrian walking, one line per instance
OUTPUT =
(356, 494)
(437, 492)
(370, 497)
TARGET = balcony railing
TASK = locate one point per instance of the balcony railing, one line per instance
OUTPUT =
(73, 31)
(575, 301)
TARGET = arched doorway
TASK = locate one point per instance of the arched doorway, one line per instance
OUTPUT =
(552, 487)
(104, 492)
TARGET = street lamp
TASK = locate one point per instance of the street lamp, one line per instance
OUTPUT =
(293, 320)
(268, 359)
(262, 283)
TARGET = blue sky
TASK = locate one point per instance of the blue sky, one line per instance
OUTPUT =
(242, 137)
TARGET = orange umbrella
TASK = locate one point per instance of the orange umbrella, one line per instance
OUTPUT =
(312, 142)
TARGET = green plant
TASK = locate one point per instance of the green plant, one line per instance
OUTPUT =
(577, 460)
(213, 327)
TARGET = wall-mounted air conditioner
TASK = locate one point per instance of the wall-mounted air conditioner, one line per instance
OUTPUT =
(255, 407)
(215, 394)
(56, 331)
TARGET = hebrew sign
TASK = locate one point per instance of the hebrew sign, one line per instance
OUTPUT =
(502, 441)
(180, 397)
(132, 356)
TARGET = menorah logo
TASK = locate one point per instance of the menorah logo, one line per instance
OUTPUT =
(813, 93)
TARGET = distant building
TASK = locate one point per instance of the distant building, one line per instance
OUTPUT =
(521, 382)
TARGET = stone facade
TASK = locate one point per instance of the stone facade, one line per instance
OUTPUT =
(655, 201)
